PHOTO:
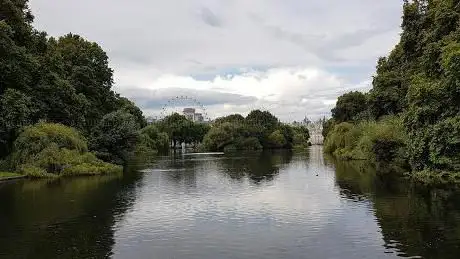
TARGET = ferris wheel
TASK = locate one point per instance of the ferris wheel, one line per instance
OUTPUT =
(175, 104)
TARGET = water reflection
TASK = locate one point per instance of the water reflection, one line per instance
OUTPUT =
(258, 167)
(247, 205)
(251, 205)
(62, 218)
(415, 221)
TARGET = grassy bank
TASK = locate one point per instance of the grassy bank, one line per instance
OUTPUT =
(8, 175)
(384, 144)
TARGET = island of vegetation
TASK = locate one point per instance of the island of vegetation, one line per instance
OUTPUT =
(60, 117)
(410, 120)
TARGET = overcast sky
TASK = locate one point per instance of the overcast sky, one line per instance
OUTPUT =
(292, 57)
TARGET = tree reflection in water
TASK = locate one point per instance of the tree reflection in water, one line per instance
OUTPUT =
(66, 218)
(259, 167)
(417, 221)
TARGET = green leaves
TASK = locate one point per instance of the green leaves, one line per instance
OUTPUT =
(34, 139)
(444, 144)
(258, 130)
(419, 82)
(180, 129)
(348, 106)
(66, 80)
(114, 138)
(154, 140)
(52, 150)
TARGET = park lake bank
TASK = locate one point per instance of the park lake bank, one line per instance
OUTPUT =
(270, 204)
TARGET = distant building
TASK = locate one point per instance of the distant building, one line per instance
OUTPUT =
(306, 121)
(151, 119)
(190, 113)
(199, 117)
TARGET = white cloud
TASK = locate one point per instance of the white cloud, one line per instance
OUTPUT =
(291, 48)
(290, 93)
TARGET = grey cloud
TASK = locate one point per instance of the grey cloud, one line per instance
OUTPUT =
(146, 39)
(210, 18)
(157, 98)
(320, 45)
(152, 101)
(166, 35)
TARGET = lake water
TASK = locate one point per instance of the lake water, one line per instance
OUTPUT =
(257, 205)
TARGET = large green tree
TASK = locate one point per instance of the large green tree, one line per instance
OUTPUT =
(349, 106)
(65, 80)
(176, 126)
(419, 81)
(16, 110)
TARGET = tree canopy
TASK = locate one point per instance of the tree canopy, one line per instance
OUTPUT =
(419, 82)
(62, 81)
(259, 130)
(182, 130)
(349, 106)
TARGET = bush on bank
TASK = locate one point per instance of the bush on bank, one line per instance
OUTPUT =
(54, 150)
(382, 142)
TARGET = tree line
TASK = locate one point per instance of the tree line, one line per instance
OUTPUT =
(411, 116)
(60, 116)
(258, 130)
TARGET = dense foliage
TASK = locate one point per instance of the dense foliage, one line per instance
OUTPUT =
(349, 106)
(48, 149)
(182, 130)
(382, 143)
(114, 138)
(65, 80)
(153, 139)
(259, 130)
(420, 82)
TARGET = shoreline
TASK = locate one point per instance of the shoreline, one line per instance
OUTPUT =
(12, 178)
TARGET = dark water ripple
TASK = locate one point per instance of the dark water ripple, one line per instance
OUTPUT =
(254, 205)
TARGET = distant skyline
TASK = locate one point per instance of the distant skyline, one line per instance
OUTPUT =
(291, 57)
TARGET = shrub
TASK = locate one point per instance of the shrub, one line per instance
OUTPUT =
(35, 172)
(54, 150)
(53, 161)
(100, 168)
(336, 138)
(34, 139)
(382, 142)
(250, 143)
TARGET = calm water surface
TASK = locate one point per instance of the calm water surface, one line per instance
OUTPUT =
(259, 205)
